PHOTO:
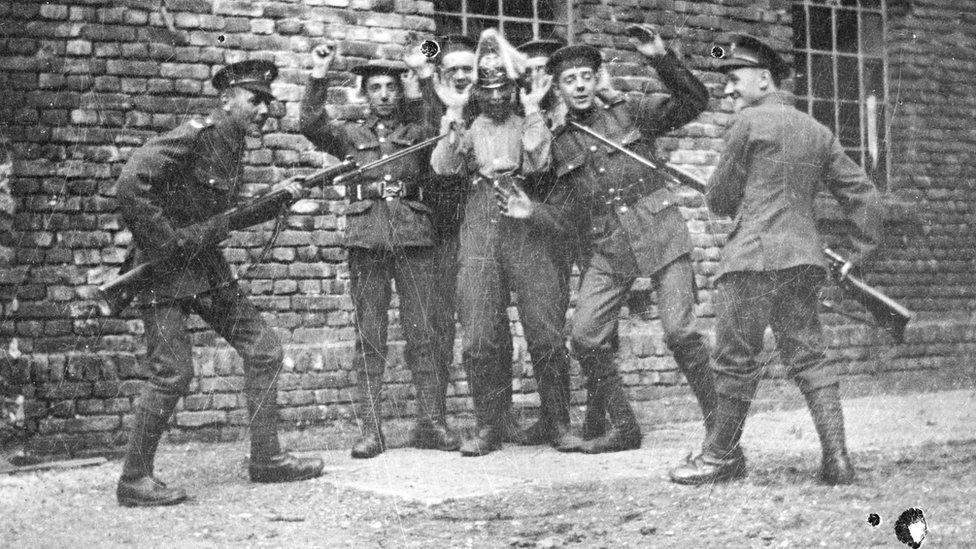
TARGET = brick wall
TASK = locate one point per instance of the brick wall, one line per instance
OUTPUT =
(87, 81)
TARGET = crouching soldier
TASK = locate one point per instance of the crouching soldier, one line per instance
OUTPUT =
(389, 237)
(169, 193)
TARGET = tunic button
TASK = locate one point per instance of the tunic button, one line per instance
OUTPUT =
(664, 203)
(212, 181)
(384, 156)
(380, 126)
(569, 166)
(623, 208)
(601, 170)
(592, 148)
(387, 177)
(382, 140)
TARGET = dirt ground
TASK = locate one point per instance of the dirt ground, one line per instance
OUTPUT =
(910, 451)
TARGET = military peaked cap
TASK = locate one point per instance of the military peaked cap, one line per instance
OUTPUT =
(749, 51)
(574, 56)
(254, 75)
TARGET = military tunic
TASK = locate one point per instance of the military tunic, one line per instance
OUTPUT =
(635, 226)
(775, 162)
(388, 238)
(167, 192)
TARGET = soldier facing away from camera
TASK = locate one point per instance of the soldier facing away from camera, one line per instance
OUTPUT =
(389, 237)
(776, 158)
(170, 192)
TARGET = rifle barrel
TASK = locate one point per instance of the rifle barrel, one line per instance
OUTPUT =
(677, 174)
(399, 154)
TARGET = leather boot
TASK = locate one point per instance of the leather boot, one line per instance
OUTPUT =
(268, 463)
(554, 398)
(138, 487)
(694, 363)
(284, 467)
(722, 458)
(370, 442)
(430, 430)
(595, 422)
(624, 433)
(487, 436)
(828, 418)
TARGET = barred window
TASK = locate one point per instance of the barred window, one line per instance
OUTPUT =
(519, 20)
(841, 75)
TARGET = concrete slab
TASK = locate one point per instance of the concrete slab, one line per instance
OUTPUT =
(430, 477)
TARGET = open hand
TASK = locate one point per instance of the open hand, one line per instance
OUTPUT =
(540, 86)
(648, 46)
(513, 202)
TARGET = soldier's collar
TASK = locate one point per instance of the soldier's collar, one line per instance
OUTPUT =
(372, 120)
(778, 97)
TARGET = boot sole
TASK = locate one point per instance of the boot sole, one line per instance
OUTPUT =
(279, 480)
(134, 502)
(740, 472)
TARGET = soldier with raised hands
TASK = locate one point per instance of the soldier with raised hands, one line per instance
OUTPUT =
(389, 237)
(635, 227)
(170, 193)
(499, 148)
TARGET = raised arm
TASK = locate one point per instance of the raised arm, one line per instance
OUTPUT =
(536, 137)
(314, 120)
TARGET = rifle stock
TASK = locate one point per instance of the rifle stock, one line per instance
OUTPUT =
(887, 313)
(119, 292)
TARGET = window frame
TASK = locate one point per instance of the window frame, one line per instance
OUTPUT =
(465, 15)
(882, 173)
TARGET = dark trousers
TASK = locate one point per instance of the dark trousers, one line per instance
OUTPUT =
(788, 301)
(413, 270)
(495, 258)
(231, 315)
(602, 294)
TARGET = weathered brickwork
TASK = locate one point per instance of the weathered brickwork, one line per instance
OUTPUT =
(87, 81)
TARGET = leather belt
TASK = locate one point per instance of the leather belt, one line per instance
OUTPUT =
(386, 189)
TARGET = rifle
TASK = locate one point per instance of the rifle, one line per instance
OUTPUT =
(355, 174)
(887, 313)
(120, 291)
(676, 174)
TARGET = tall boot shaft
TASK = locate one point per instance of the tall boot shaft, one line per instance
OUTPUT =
(369, 409)
(828, 418)
(695, 364)
(730, 417)
(261, 393)
(150, 422)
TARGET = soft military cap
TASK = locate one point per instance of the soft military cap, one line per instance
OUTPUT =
(579, 55)
(749, 51)
(255, 75)
(450, 43)
(376, 67)
(541, 48)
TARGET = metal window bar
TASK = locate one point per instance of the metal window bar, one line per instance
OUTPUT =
(864, 111)
(499, 16)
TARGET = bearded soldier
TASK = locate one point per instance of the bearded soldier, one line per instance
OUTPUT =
(454, 65)
(389, 237)
(170, 192)
(498, 147)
